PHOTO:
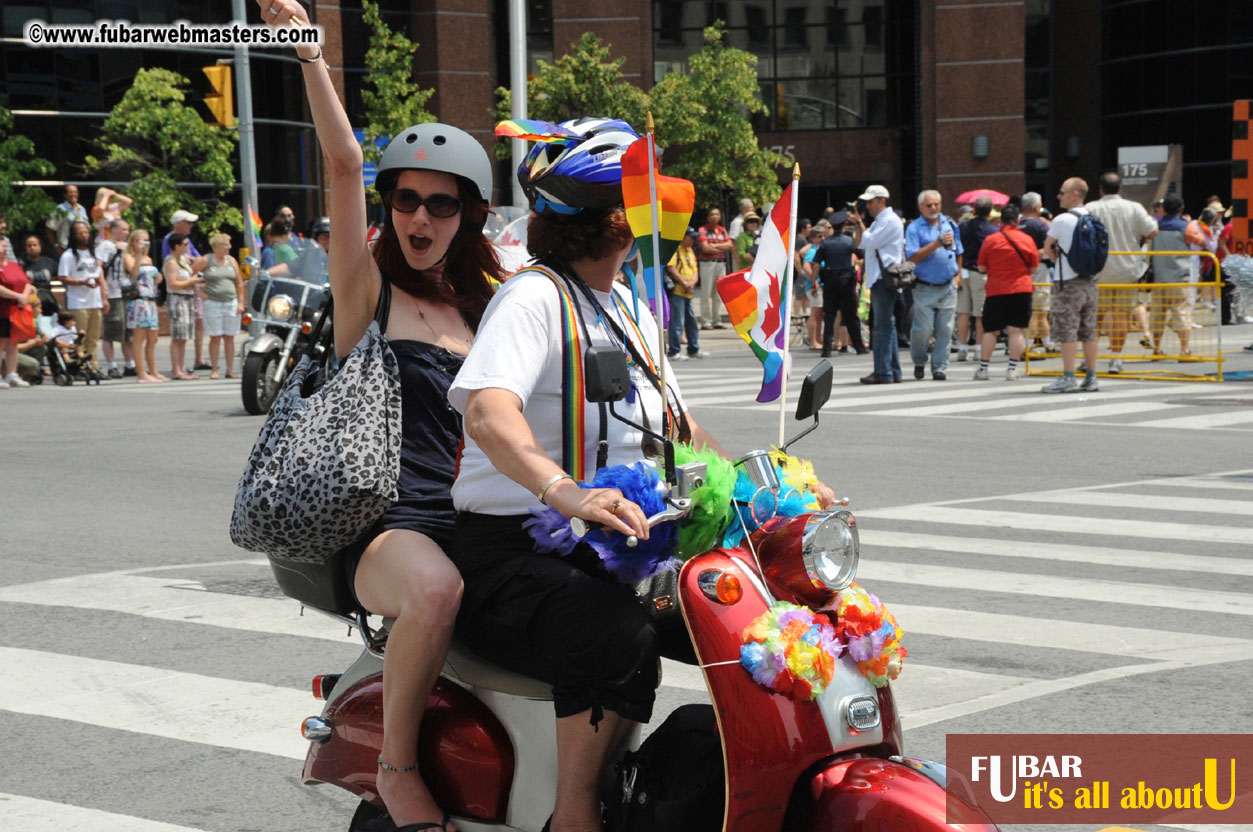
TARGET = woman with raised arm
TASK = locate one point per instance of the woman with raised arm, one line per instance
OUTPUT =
(436, 182)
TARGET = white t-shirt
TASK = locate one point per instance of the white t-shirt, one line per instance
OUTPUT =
(105, 250)
(1062, 230)
(81, 265)
(886, 235)
(519, 348)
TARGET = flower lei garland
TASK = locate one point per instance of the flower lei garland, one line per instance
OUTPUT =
(792, 651)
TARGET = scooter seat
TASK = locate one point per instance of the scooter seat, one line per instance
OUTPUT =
(471, 669)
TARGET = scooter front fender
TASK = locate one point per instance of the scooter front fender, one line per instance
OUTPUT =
(867, 794)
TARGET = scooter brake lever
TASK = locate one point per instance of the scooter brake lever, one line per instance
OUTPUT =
(676, 510)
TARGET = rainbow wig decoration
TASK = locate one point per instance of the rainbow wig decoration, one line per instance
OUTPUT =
(871, 633)
(640, 484)
(791, 651)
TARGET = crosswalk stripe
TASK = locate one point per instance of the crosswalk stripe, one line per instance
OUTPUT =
(28, 814)
(1054, 586)
(923, 686)
(1054, 633)
(1074, 414)
(227, 713)
(1048, 406)
(1207, 420)
(843, 398)
(1174, 505)
(1216, 482)
(1103, 555)
(1063, 524)
(177, 599)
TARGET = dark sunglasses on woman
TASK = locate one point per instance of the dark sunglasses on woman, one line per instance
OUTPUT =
(406, 201)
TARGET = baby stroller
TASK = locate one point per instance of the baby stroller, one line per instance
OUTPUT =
(66, 365)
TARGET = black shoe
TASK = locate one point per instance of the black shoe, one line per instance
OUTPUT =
(129, 372)
(874, 379)
(826, 353)
(843, 350)
(939, 375)
(862, 352)
(202, 366)
(920, 373)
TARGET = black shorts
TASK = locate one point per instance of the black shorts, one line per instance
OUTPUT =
(1000, 311)
(4, 326)
(562, 620)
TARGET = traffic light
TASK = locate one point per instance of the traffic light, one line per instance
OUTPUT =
(221, 102)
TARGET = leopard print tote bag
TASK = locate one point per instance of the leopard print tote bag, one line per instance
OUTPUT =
(325, 464)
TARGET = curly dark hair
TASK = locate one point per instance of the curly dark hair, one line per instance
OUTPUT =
(470, 261)
(586, 234)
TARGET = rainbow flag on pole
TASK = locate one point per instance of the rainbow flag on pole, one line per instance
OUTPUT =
(254, 226)
(676, 199)
(757, 299)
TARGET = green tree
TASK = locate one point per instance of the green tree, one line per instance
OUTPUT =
(702, 122)
(583, 82)
(25, 208)
(156, 140)
(397, 101)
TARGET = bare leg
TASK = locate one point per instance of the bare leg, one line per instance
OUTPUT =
(199, 341)
(215, 346)
(141, 373)
(1069, 349)
(150, 350)
(128, 351)
(1089, 354)
(987, 345)
(108, 350)
(963, 329)
(406, 575)
(178, 355)
(229, 343)
(582, 753)
(1017, 342)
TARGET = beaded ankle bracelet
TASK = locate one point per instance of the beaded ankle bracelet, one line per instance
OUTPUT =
(397, 769)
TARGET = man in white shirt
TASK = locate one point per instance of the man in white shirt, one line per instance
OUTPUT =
(884, 244)
(737, 223)
(1129, 227)
(109, 254)
(86, 296)
(1074, 295)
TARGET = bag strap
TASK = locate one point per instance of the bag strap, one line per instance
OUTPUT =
(1015, 247)
(324, 335)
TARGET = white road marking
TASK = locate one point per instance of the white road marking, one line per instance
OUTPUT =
(1054, 634)
(1207, 420)
(1174, 505)
(188, 707)
(921, 688)
(1051, 586)
(1084, 411)
(27, 814)
(1046, 406)
(1170, 561)
(1215, 482)
(1064, 524)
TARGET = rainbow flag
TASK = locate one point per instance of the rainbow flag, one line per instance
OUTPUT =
(756, 299)
(676, 199)
(533, 130)
(255, 226)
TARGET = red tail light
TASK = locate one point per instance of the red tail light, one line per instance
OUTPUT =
(323, 684)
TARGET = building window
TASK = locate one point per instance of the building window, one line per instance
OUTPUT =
(794, 29)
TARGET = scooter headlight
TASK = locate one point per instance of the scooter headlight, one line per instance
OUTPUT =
(830, 549)
(279, 307)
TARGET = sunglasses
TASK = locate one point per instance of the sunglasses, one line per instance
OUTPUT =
(440, 206)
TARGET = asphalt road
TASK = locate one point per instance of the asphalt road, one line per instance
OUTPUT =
(1072, 564)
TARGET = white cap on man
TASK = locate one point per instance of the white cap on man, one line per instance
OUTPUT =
(875, 192)
(183, 216)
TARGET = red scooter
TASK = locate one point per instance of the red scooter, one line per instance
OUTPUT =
(488, 745)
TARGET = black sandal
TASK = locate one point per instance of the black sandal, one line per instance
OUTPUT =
(417, 827)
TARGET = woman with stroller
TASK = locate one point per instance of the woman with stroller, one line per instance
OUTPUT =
(436, 182)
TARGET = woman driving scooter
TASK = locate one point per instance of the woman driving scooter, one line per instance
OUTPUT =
(530, 435)
(436, 181)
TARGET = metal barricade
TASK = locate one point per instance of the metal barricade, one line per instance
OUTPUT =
(1152, 328)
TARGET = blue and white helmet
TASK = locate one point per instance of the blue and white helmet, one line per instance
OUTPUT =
(563, 178)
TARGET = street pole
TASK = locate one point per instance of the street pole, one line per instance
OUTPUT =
(517, 86)
(247, 145)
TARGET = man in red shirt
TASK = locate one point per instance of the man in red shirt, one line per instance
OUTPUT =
(1009, 257)
(712, 249)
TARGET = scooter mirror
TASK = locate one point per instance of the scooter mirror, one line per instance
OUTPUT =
(605, 374)
(815, 391)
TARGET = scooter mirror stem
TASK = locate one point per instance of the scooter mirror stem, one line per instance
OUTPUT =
(666, 443)
(798, 437)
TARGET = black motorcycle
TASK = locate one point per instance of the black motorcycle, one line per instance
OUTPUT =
(284, 311)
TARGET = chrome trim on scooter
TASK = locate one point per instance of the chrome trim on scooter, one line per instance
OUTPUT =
(861, 713)
(315, 729)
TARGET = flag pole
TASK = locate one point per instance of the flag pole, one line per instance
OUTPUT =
(658, 285)
(786, 300)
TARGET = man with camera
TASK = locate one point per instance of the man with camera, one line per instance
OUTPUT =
(884, 245)
(932, 244)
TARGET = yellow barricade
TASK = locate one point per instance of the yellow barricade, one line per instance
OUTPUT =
(1153, 328)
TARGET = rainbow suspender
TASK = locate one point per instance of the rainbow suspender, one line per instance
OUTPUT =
(573, 426)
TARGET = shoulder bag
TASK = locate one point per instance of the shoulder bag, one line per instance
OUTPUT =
(326, 462)
(1015, 247)
(898, 275)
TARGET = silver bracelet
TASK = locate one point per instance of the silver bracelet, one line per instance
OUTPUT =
(556, 478)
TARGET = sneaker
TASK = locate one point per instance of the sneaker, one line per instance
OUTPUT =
(681, 356)
(129, 372)
(961, 354)
(115, 372)
(981, 374)
(920, 373)
(1089, 385)
(1082, 369)
(1062, 385)
(698, 354)
(939, 375)
(874, 379)
(14, 380)
(1011, 375)
(1115, 366)
(4, 385)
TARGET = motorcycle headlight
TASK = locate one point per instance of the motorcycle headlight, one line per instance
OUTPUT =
(830, 549)
(279, 307)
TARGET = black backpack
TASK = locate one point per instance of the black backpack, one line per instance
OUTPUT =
(674, 782)
(116, 269)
